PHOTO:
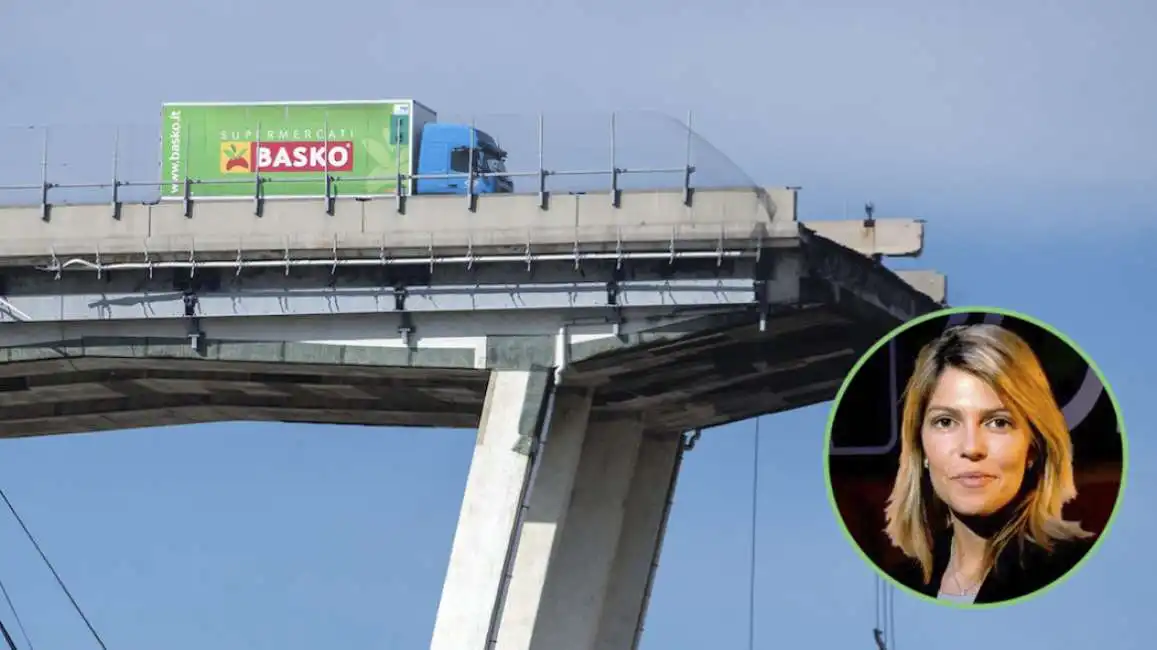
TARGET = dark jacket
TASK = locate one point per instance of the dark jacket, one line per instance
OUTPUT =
(1016, 574)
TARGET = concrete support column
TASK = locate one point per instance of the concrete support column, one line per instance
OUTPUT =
(640, 541)
(584, 564)
(495, 487)
(549, 504)
(580, 569)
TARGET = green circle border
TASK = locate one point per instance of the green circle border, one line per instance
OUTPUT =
(975, 309)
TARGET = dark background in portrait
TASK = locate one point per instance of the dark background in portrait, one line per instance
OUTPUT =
(862, 481)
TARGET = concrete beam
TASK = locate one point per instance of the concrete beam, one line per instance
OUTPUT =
(860, 287)
(499, 475)
(500, 223)
(886, 237)
(217, 229)
(930, 283)
(52, 306)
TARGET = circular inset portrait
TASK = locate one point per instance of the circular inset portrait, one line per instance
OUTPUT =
(975, 456)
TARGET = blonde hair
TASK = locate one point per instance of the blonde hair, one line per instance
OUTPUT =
(1005, 362)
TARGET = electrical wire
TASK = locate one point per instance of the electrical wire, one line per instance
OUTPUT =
(754, 536)
(7, 636)
(48, 563)
(15, 616)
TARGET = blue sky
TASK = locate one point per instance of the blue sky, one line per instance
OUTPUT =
(1021, 132)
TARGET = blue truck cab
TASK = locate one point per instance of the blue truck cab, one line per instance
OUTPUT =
(445, 149)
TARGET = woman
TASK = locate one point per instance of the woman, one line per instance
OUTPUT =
(985, 469)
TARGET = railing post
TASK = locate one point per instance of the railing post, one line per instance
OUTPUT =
(689, 169)
(188, 196)
(116, 184)
(399, 176)
(616, 196)
(470, 202)
(543, 195)
(45, 209)
(258, 199)
(329, 206)
(330, 203)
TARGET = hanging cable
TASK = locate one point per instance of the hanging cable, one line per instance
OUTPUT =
(876, 629)
(754, 536)
(51, 568)
(7, 636)
(879, 635)
(15, 616)
(891, 617)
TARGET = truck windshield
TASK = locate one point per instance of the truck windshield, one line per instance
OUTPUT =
(491, 162)
(487, 160)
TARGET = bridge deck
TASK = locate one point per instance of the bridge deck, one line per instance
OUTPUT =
(688, 363)
(442, 224)
(695, 372)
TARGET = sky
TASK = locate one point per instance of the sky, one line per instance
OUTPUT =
(1022, 133)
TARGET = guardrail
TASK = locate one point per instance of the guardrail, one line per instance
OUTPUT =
(624, 167)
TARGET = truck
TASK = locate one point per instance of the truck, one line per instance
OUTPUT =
(307, 149)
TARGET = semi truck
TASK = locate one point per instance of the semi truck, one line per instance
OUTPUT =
(315, 149)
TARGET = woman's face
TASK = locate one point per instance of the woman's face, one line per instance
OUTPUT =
(976, 450)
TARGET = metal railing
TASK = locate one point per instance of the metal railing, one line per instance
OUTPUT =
(62, 183)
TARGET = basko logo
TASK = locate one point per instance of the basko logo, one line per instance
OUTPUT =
(237, 157)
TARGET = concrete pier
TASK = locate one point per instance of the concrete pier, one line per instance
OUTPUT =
(580, 567)
(495, 486)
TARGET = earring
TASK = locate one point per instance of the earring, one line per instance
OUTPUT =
(925, 463)
(1030, 464)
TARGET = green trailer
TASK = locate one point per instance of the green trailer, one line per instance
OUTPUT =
(292, 146)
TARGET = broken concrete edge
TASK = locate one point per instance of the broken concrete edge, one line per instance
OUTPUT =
(891, 237)
(930, 283)
(860, 286)
(905, 295)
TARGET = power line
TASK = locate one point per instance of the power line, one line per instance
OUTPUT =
(51, 568)
(7, 636)
(15, 615)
